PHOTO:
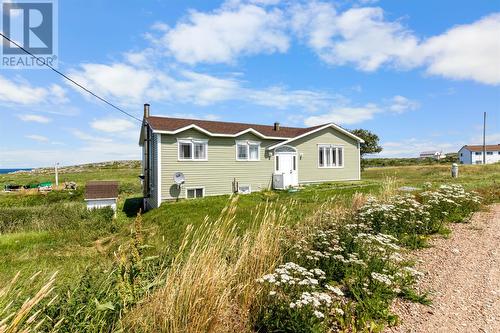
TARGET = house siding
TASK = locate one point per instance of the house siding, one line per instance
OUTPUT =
(470, 157)
(215, 175)
(309, 172)
(465, 156)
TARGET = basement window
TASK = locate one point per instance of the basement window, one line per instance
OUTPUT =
(195, 192)
(192, 150)
(244, 189)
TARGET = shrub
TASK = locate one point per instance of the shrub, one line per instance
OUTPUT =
(451, 203)
(345, 275)
(402, 216)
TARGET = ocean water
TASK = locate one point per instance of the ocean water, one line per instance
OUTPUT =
(2, 171)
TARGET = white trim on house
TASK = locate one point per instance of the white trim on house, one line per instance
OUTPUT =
(195, 188)
(332, 146)
(338, 128)
(247, 143)
(245, 185)
(359, 161)
(192, 141)
(158, 178)
(193, 126)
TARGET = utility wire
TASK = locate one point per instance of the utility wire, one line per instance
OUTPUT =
(70, 79)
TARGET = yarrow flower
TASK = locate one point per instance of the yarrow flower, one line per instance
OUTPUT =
(381, 278)
(318, 314)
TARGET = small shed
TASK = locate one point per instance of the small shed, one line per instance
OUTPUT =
(100, 194)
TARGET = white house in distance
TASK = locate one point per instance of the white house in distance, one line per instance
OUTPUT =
(437, 155)
(473, 154)
(100, 194)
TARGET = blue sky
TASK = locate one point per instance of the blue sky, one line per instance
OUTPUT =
(418, 73)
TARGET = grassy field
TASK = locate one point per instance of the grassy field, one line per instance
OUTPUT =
(54, 232)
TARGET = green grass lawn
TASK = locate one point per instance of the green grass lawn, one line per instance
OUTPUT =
(54, 232)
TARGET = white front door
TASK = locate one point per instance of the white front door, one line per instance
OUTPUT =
(286, 164)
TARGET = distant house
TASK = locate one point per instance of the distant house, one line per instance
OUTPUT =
(437, 155)
(473, 154)
(189, 158)
(100, 194)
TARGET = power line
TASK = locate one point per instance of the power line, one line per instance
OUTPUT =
(70, 79)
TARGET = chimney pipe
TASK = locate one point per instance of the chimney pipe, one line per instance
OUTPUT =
(146, 110)
(276, 126)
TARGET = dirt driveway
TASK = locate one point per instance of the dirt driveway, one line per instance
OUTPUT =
(463, 275)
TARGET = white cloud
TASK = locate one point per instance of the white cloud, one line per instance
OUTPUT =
(36, 137)
(34, 118)
(198, 88)
(90, 138)
(186, 86)
(23, 93)
(348, 114)
(89, 153)
(315, 22)
(226, 33)
(359, 36)
(413, 147)
(113, 125)
(160, 26)
(344, 115)
(491, 139)
(283, 98)
(364, 38)
(470, 51)
(122, 81)
(400, 104)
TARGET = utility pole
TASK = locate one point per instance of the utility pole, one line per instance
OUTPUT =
(484, 139)
(57, 175)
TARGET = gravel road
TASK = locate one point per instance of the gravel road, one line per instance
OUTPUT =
(463, 275)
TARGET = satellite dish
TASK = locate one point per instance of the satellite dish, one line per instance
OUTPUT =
(179, 178)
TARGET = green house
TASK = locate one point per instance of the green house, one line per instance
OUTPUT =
(188, 158)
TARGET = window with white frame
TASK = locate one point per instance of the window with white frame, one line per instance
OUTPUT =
(330, 156)
(244, 189)
(247, 151)
(192, 149)
(192, 193)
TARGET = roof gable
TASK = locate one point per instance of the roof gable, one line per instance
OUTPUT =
(317, 129)
(480, 147)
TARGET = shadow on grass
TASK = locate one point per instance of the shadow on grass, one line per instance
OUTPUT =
(132, 206)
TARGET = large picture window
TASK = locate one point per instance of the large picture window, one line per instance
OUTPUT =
(247, 151)
(192, 150)
(330, 156)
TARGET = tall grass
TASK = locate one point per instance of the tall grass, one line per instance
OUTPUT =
(211, 286)
(26, 316)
